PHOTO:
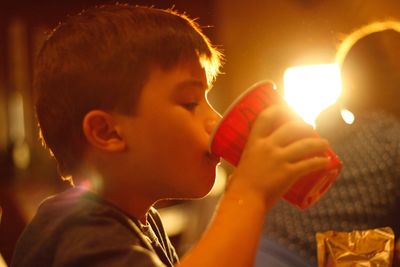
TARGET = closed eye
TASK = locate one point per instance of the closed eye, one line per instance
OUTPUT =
(190, 106)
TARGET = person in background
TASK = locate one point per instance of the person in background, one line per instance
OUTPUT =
(366, 194)
(122, 105)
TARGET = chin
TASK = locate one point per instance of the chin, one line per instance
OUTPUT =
(204, 187)
(195, 190)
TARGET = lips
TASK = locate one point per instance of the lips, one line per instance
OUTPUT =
(214, 159)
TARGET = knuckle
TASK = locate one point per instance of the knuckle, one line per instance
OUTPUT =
(269, 147)
(266, 115)
(273, 112)
(289, 169)
(311, 144)
(303, 127)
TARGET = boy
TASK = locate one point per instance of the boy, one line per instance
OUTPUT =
(121, 103)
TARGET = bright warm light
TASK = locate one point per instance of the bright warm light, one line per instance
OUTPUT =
(312, 88)
(2, 262)
(347, 116)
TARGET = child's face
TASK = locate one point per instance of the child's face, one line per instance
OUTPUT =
(168, 135)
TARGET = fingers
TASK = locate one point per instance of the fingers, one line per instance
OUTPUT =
(307, 166)
(296, 141)
(280, 126)
(268, 120)
(307, 155)
(305, 148)
(292, 131)
(281, 122)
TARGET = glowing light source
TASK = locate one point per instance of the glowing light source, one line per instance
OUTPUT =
(16, 117)
(312, 88)
(347, 116)
(2, 262)
(21, 155)
(21, 152)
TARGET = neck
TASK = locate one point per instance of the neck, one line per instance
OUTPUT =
(129, 200)
(136, 206)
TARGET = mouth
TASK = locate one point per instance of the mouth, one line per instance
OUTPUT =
(214, 159)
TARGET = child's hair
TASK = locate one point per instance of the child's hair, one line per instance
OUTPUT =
(100, 59)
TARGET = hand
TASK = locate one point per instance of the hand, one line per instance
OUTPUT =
(280, 149)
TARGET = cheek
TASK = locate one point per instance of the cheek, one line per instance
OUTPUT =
(184, 130)
(186, 142)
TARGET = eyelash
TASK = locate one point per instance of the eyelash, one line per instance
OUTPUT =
(190, 106)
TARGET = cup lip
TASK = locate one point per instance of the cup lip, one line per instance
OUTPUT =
(233, 104)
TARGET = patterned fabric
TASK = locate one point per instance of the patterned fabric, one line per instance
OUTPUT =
(77, 228)
(366, 194)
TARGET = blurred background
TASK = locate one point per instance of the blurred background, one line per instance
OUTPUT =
(260, 39)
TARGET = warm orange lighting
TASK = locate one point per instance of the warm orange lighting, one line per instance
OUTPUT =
(312, 88)
(347, 116)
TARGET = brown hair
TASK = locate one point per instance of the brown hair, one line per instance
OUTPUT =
(100, 59)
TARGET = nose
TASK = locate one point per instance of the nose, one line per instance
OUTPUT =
(212, 120)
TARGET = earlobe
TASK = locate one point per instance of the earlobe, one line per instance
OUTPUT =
(99, 128)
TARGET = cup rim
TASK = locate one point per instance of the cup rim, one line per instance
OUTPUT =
(233, 104)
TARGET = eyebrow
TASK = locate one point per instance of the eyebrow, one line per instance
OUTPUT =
(192, 84)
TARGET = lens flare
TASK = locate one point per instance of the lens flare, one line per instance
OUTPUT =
(312, 88)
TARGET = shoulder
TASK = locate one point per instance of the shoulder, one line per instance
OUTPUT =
(75, 207)
(76, 228)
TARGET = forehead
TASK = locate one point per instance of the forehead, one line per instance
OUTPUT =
(163, 88)
(180, 77)
(164, 84)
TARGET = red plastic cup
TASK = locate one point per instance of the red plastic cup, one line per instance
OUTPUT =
(230, 137)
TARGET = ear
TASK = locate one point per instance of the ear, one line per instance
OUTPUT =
(101, 131)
